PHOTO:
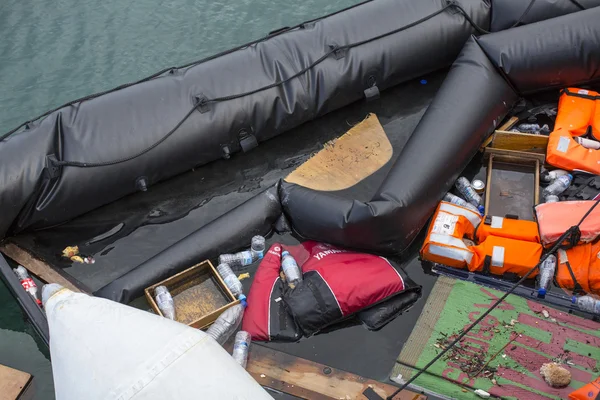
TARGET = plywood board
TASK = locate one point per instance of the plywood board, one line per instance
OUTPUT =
(512, 342)
(311, 380)
(345, 161)
(39, 268)
(12, 382)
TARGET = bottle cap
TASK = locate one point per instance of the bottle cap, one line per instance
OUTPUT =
(570, 176)
(574, 299)
(285, 253)
(242, 299)
(541, 293)
(481, 209)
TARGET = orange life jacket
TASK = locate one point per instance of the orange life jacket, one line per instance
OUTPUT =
(579, 268)
(554, 219)
(508, 228)
(501, 250)
(591, 391)
(578, 114)
(444, 243)
(500, 255)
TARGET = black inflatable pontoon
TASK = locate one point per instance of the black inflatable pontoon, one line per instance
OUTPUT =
(96, 150)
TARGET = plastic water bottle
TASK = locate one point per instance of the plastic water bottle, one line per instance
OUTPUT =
(27, 283)
(546, 275)
(552, 198)
(450, 198)
(533, 128)
(237, 261)
(559, 185)
(549, 176)
(241, 347)
(587, 303)
(588, 143)
(257, 247)
(165, 302)
(227, 323)
(230, 279)
(464, 187)
(293, 276)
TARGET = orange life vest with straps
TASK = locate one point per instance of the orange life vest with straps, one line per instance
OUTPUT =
(554, 219)
(591, 391)
(578, 115)
(505, 245)
(579, 268)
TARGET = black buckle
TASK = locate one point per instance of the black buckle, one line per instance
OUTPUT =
(487, 263)
(487, 220)
(511, 216)
(247, 140)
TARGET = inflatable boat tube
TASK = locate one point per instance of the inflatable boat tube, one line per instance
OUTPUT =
(93, 152)
(96, 150)
(482, 85)
(510, 13)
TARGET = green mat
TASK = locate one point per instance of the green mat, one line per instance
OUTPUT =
(502, 355)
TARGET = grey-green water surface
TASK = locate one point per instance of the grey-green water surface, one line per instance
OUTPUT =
(55, 51)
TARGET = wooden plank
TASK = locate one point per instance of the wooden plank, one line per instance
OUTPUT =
(345, 161)
(39, 268)
(515, 155)
(536, 198)
(520, 142)
(12, 382)
(311, 380)
(489, 182)
(508, 124)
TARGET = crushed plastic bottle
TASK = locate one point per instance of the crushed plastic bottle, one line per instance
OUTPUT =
(546, 275)
(237, 261)
(241, 347)
(536, 129)
(293, 276)
(165, 302)
(451, 198)
(588, 143)
(230, 279)
(548, 176)
(28, 283)
(559, 185)
(257, 247)
(587, 303)
(551, 198)
(464, 187)
(227, 323)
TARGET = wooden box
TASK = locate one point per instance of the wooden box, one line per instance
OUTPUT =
(199, 294)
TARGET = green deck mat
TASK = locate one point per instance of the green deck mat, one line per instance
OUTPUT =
(515, 340)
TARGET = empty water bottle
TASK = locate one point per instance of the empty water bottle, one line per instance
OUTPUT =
(587, 303)
(241, 347)
(237, 261)
(257, 247)
(588, 143)
(27, 283)
(293, 276)
(230, 279)
(559, 185)
(227, 323)
(533, 128)
(546, 275)
(552, 198)
(464, 187)
(549, 176)
(451, 198)
(165, 302)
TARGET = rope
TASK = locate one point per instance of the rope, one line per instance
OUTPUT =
(571, 231)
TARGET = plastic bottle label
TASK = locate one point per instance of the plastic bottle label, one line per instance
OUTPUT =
(445, 223)
(243, 346)
(246, 257)
(28, 283)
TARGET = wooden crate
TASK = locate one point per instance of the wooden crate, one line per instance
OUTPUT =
(199, 293)
(519, 162)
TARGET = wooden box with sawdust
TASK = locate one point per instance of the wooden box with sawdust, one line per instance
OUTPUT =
(199, 294)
